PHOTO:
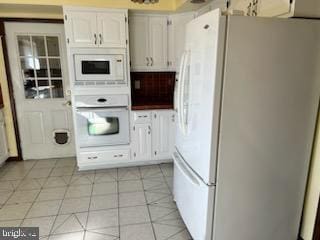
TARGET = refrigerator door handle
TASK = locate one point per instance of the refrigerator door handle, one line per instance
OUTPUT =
(188, 174)
(182, 94)
(179, 91)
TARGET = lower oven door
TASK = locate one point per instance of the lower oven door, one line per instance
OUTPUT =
(98, 127)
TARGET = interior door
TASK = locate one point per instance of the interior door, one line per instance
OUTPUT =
(158, 42)
(139, 42)
(37, 56)
(112, 30)
(81, 29)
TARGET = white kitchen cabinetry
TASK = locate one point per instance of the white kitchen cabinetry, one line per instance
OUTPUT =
(176, 36)
(95, 28)
(163, 134)
(3, 140)
(142, 141)
(149, 42)
(153, 134)
(278, 8)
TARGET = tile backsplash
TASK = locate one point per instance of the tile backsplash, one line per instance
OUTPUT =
(152, 88)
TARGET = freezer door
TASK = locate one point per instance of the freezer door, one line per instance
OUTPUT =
(269, 110)
(195, 200)
(199, 92)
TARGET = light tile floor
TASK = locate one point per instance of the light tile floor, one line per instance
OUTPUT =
(113, 204)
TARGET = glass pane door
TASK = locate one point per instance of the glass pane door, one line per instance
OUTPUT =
(40, 65)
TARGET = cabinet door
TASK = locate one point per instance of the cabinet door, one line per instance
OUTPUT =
(81, 29)
(273, 8)
(163, 135)
(139, 42)
(3, 143)
(176, 36)
(158, 43)
(142, 141)
(112, 30)
(242, 5)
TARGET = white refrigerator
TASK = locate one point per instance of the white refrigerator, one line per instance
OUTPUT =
(247, 102)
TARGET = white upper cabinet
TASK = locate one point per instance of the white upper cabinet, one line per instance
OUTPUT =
(176, 36)
(272, 8)
(148, 42)
(95, 28)
(278, 8)
(81, 29)
(139, 42)
(112, 29)
(158, 42)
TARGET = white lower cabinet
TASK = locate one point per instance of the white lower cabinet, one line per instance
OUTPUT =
(3, 140)
(153, 137)
(142, 141)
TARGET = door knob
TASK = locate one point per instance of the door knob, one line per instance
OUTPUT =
(67, 103)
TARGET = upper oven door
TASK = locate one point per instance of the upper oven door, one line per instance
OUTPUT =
(106, 67)
(98, 127)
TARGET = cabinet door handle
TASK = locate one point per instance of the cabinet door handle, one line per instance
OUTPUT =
(90, 158)
(95, 39)
(100, 36)
(147, 61)
(151, 61)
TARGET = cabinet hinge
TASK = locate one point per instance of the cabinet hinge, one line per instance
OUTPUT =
(169, 63)
(169, 22)
(126, 19)
(65, 17)
(127, 41)
(68, 40)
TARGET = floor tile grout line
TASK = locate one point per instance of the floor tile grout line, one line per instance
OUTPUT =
(36, 196)
(14, 190)
(51, 229)
(86, 224)
(153, 230)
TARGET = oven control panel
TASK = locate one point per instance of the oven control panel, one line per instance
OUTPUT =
(102, 101)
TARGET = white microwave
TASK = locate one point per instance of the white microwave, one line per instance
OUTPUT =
(100, 69)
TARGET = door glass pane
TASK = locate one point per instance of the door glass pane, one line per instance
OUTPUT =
(53, 46)
(30, 89)
(27, 67)
(41, 67)
(102, 126)
(24, 45)
(38, 54)
(44, 89)
(57, 89)
(38, 46)
(55, 67)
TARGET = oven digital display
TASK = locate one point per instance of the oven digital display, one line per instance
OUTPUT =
(95, 67)
(103, 126)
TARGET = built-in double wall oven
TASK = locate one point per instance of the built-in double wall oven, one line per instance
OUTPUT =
(102, 120)
(100, 67)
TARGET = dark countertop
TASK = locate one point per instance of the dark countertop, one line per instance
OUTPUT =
(152, 106)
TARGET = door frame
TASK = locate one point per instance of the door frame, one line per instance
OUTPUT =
(9, 75)
(316, 233)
